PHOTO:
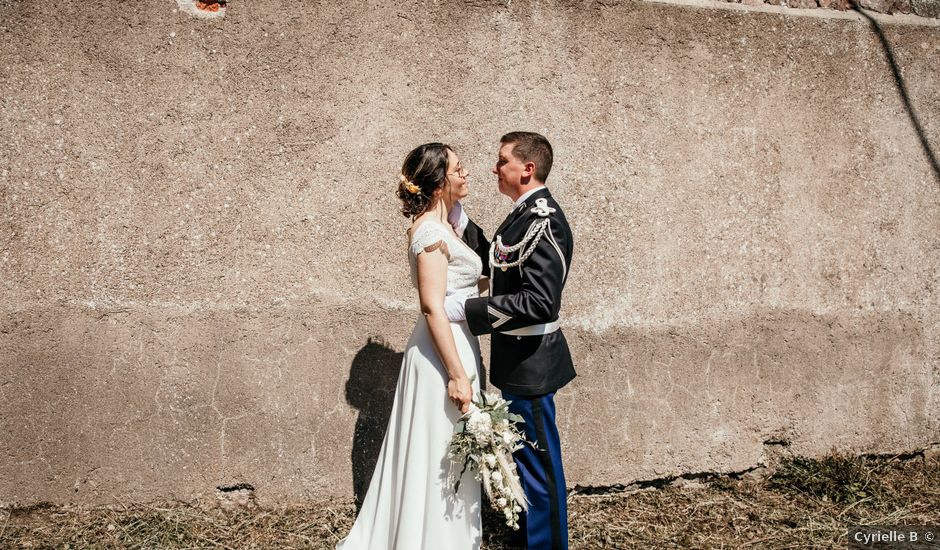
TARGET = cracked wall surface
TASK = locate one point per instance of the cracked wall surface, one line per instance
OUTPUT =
(203, 266)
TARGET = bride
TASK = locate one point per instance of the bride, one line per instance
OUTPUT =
(410, 503)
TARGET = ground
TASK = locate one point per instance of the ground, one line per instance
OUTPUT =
(803, 504)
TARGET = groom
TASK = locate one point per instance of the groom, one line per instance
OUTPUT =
(528, 264)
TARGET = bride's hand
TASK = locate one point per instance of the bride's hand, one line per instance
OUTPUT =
(460, 392)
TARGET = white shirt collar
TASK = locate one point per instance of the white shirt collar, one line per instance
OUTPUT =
(526, 195)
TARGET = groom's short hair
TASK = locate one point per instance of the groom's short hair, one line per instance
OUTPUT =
(531, 147)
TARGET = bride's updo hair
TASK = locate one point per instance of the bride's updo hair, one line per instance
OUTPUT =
(424, 170)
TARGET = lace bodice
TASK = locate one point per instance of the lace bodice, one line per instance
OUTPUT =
(463, 265)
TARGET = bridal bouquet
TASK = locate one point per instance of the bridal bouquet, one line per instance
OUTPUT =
(484, 440)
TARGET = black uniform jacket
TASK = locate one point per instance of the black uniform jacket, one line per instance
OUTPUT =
(529, 294)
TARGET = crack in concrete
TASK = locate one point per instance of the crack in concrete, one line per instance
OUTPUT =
(704, 476)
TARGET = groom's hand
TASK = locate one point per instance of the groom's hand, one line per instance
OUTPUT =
(458, 219)
(454, 308)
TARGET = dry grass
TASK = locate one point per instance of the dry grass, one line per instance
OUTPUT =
(806, 504)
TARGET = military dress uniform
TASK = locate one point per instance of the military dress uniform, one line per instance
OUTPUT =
(528, 263)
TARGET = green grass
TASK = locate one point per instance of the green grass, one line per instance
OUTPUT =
(840, 478)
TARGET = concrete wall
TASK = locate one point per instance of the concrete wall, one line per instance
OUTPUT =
(203, 267)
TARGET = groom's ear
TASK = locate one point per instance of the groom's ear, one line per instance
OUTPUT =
(528, 169)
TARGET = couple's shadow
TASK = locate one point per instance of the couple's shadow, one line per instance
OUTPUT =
(371, 390)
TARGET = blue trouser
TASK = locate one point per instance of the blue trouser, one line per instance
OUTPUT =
(545, 526)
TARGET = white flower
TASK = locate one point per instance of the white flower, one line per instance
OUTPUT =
(496, 476)
(501, 502)
(516, 508)
(490, 461)
(494, 400)
(480, 422)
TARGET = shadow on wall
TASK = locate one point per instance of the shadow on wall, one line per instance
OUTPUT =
(371, 390)
(902, 90)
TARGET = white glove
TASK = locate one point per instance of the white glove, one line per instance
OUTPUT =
(454, 308)
(458, 219)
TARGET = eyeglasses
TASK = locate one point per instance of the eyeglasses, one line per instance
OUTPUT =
(460, 173)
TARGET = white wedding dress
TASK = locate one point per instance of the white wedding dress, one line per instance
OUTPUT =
(410, 503)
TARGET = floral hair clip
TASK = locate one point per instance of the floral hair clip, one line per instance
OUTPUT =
(409, 185)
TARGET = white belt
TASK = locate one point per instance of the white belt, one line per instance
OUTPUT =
(534, 330)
